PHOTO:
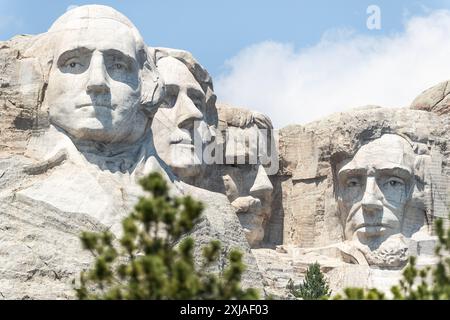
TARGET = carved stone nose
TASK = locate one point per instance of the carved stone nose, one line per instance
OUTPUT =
(97, 88)
(98, 78)
(187, 112)
(371, 201)
(262, 183)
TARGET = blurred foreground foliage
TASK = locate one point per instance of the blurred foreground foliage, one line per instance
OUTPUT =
(154, 259)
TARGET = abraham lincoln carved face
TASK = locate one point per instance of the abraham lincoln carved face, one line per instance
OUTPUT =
(375, 187)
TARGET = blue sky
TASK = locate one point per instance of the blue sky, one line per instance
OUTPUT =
(268, 55)
(216, 30)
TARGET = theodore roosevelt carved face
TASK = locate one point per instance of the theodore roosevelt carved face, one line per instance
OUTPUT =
(247, 184)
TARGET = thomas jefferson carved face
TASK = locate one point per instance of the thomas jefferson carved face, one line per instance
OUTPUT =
(179, 124)
(374, 188)
(94, 86)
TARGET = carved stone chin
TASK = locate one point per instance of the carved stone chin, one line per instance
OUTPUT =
(393, 253)
(390, 254)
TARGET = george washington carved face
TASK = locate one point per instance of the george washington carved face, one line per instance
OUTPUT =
(95, 86)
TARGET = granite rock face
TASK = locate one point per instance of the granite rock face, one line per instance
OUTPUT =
(357, 192)
(21, 94)
(310, 155)
(436, 99)
(83, 116)
(75, 137)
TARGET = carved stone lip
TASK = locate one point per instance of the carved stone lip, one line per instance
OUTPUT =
(183, 144)
(368, 225)
(94, 106)
(187, 142)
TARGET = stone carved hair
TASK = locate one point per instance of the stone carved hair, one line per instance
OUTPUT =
(242, 118)
(200, 74)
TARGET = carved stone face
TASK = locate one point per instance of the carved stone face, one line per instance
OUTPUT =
(250, 192)
(247, 186)
(94, 86)
(374, 188)
(179, 124)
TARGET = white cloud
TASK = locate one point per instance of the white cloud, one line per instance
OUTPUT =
(344, 70)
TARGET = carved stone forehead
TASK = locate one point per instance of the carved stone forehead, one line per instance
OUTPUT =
(175, 72)
(96, 26)
(83, 16)
(389, 151)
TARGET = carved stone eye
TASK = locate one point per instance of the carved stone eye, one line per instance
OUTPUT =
(120, 67)
(395, 182)
(352, 183)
